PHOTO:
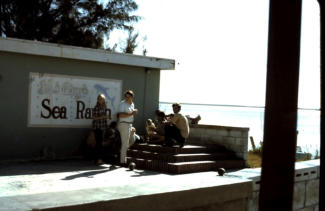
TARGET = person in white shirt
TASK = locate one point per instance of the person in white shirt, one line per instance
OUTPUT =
(126, 114)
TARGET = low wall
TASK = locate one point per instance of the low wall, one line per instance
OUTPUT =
(233, 138)
(306, 185)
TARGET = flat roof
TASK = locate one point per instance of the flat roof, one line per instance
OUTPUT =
(88, 54)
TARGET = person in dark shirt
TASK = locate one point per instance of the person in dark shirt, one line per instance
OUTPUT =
(99, 125)
(112, 144)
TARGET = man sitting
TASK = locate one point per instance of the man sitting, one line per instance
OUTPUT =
(177, 127)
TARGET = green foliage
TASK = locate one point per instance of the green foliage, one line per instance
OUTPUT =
(131, 42)
(73, 22)
(254, 157)
(307, 156)
(317, 156)
(254, 160)
(258, 150)
(144, 52)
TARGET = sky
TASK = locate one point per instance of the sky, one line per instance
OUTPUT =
(220, 48)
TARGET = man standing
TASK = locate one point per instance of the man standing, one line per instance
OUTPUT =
(126, 117)
(177, 127)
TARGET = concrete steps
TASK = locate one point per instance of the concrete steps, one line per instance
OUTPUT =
(189, 159)
(176, 149)
(169, 157)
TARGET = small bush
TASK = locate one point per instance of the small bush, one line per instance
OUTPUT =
(254, 160)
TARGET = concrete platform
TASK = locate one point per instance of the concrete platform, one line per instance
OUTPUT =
(80, 185)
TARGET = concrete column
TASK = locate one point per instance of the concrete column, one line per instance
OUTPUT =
(322, 115)
(151, 94)
(279, 143)
(322, 120)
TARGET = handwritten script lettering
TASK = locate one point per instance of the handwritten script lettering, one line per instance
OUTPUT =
(60, 112)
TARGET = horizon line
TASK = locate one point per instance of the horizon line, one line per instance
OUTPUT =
(231, 105)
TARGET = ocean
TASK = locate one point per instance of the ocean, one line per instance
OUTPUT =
(253, 118)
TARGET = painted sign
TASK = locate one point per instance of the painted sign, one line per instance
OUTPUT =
(67, 101)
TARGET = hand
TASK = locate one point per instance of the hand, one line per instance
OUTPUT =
(135, 111)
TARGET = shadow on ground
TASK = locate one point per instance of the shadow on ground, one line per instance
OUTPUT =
(90, 174)
(44, 167)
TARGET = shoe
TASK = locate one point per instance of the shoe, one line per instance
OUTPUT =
(112, 167)
(100, 162)
(168, 143)
(123, 165)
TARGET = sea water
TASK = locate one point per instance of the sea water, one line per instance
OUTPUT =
(308, 125)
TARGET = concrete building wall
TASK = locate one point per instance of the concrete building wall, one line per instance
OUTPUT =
(18, 141)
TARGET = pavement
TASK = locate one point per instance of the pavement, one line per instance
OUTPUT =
(49, 184)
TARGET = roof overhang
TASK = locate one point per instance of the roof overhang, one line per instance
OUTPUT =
(73, 52)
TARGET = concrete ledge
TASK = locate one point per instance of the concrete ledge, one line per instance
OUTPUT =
(219, 127)
(79, 185)
(160, 192)
(120, 189)
(306, 186)
(233, 138)
(178, 200)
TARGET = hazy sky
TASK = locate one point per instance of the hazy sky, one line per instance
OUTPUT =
(220, 48)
